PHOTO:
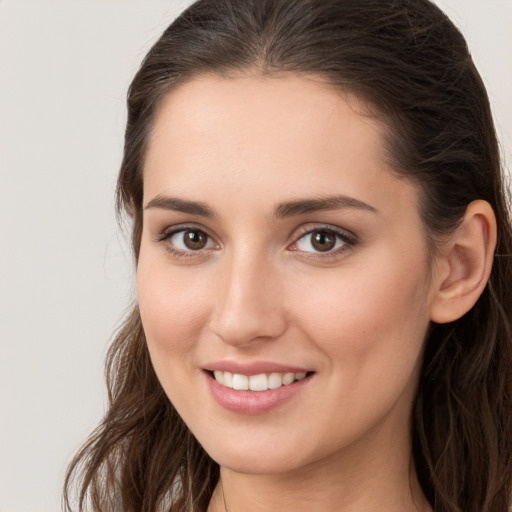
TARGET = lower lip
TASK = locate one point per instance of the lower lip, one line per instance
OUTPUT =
(254, 402)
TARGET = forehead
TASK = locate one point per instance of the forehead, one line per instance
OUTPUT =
(288, 135)
(294, 107)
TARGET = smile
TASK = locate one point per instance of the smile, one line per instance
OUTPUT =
(260, 382)
(255, 389)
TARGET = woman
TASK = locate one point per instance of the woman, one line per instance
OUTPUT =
(323, 269)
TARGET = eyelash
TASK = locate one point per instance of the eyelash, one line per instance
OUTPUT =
(348, 240)
(168, 233)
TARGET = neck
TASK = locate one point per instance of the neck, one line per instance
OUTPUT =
(236, 493)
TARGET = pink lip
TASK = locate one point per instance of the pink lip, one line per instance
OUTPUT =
(253, 368)
(253, 402)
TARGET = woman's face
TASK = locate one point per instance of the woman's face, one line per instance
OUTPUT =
(278, 246)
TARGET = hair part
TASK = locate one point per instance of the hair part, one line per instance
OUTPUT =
(412, 66)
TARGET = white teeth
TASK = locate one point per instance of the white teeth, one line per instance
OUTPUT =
(240, 382)
(275, 380)
(228, 379)
(288, 378)
(260, 382)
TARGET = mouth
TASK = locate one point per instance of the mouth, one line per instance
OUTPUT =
(255, 394)
(255, 387)
(259, 382)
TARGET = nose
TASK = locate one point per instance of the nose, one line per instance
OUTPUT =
(249, 304)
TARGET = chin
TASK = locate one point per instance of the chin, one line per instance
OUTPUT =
(248, 458)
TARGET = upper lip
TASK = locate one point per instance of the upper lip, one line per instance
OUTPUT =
(253, 367)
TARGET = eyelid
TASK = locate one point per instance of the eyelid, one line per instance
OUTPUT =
(168, 231)
(350, 239)
(166, 234)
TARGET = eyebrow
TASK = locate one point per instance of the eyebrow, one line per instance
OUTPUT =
(305, 206)
(180, 205)
(283, 210)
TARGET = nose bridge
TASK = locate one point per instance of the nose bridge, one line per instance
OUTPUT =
(248, 306)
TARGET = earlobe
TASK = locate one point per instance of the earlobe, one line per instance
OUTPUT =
(465, 264)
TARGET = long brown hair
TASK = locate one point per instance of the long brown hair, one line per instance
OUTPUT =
(409, 62)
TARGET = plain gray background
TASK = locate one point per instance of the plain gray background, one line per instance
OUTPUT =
(65, 269)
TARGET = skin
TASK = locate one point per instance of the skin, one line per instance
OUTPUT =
(356, 316)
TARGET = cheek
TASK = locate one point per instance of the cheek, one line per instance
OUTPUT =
(172, 308)
(171, 305)
(370, 328)
(371, 314)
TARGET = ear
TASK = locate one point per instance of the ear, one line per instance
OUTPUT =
(464, 265)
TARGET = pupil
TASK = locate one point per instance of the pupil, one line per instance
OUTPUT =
(195, 239)
(323, 241)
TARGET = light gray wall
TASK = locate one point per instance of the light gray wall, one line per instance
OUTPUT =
(65, 271)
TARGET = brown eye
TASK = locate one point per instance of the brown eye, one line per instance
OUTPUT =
(323, 240)
(195, 239)
(188, 240)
